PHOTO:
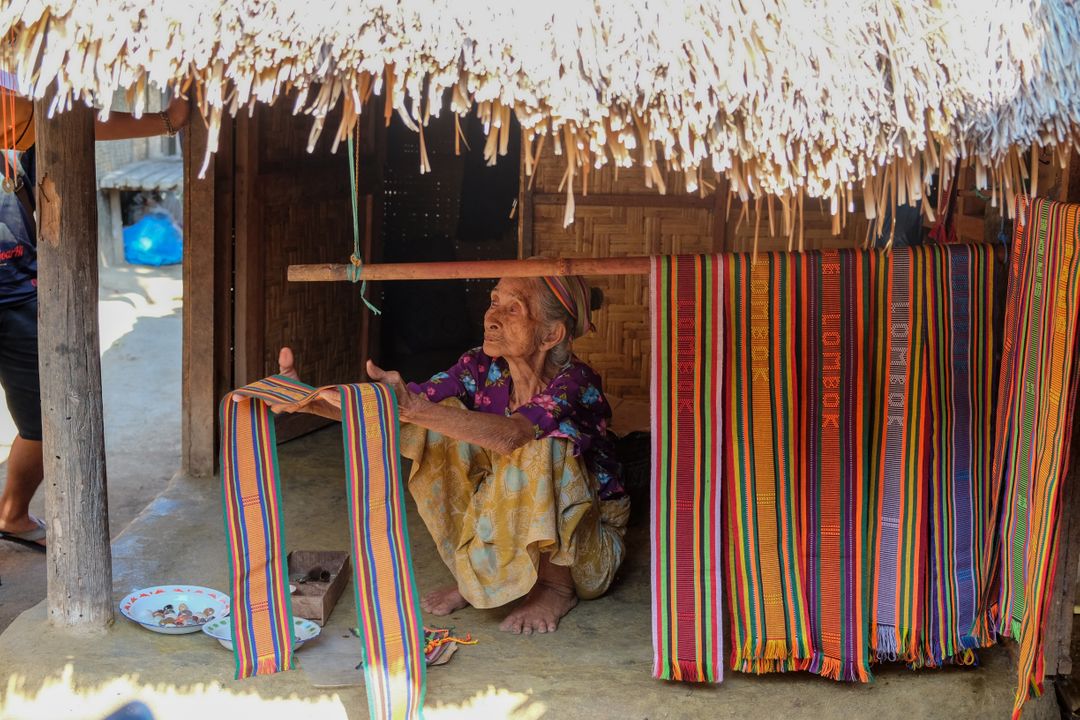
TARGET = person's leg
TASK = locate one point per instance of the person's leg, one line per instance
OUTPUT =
(19, 378)
(24, 475)
(599, 548)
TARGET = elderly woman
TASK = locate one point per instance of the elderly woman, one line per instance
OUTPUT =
(513, 472)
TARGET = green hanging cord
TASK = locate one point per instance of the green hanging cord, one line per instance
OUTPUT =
(356, 262)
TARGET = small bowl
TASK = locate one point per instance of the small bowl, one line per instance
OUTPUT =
(221, 630)
(141, 605)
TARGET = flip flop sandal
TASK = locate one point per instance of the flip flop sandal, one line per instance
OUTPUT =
(28, 538)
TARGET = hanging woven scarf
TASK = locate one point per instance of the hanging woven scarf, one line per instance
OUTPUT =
(386, 598)
(687, 342)
(901, 532)
(960, 334)
(770, 627)
(1035, 397)
(836, 422)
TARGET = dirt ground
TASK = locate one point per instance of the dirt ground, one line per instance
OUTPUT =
(598, 665)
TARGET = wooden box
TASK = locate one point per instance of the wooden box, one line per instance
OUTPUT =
(315, 599)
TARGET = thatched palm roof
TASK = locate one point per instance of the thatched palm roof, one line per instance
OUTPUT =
(784, 96)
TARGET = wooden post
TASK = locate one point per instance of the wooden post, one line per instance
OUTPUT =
(198, 388)
(77, 509)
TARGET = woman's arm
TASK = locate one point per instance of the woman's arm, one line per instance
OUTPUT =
(122, 125)
(119, 126)
(499, 434)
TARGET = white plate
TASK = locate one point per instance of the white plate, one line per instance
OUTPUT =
(221, 630)
(140, 606)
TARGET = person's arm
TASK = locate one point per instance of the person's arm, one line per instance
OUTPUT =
(124, 126)
(493, 432)
(119, 126)
(499, 434)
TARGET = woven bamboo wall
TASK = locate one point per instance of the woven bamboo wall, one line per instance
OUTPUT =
(321, 321)
(293, 207)
(621, 216)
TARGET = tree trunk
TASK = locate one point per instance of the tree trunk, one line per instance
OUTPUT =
(79, 553)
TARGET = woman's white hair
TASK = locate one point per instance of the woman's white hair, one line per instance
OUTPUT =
(551, 312)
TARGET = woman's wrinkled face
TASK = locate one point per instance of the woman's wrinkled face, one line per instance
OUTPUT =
(510, 323)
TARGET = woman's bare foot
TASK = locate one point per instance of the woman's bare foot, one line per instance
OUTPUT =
(542, 609)
(443, 601)
(550, 599)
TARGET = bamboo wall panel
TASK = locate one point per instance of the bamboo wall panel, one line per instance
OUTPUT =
(639, 221)
(294, 207)
(817, 229)
(321, 324)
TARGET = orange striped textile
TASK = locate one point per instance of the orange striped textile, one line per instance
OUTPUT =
(1036, 391)
(836, 454)
(386, 597)
(770, 624)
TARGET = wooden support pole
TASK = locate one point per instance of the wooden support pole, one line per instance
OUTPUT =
(637, 265)
(77, 509)
(198, 390)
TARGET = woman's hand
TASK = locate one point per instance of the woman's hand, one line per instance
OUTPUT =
(328, 405)
(408, 402)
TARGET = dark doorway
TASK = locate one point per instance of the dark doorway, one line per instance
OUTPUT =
(462, 210)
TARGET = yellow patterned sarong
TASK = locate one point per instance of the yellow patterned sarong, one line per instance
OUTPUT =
(491, 515)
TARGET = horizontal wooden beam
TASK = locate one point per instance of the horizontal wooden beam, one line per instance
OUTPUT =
(636, 265)
(628, 200)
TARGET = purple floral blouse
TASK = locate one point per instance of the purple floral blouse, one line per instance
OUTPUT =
(572, 406)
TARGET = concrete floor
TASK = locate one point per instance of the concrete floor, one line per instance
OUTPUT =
(596, 666)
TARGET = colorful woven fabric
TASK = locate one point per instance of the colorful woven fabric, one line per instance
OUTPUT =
(836, 423)
(959, 285)
(261, 609)
(770, 625)
(856, 399)
(1036, 389)
(386, 597)
(687, 302)
(901, 544)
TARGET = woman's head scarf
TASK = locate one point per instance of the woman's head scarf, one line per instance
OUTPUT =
(572, 292)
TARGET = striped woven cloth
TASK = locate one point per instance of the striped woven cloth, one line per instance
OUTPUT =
(1034, 418)
(856, 404)
(899, 590)
(959, 283)
(386, 597)
(836, 422)
(770, 623)
(687, 301)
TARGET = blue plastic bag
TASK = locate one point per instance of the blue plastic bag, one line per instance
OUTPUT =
(153, 240)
